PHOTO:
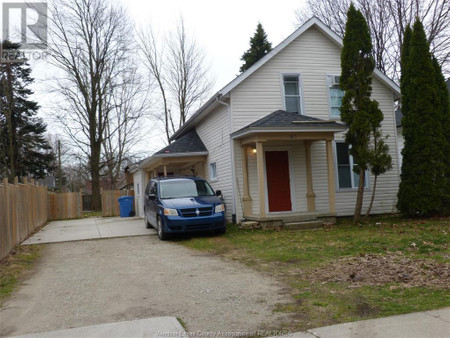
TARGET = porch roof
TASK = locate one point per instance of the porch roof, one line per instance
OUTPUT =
(283, 121)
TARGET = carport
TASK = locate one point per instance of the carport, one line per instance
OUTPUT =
(185, 156)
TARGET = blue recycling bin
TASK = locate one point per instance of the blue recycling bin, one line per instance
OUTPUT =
(126, 206)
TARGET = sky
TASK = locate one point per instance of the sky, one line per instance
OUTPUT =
(222, 29)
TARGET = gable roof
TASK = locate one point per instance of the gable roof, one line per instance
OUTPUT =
(281, 120)
(188, 143)
(314, 21)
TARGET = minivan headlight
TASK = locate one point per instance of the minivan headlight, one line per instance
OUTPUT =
(220, 208)
(170, 212)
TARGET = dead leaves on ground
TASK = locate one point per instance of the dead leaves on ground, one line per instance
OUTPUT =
(380, 269)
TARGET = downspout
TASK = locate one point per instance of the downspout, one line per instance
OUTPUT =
(233, 166)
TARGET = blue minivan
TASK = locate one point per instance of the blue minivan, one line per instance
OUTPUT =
(183, 204)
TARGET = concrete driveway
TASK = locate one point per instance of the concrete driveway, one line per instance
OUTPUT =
(90, 228)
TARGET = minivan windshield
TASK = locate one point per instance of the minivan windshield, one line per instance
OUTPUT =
(179, 188)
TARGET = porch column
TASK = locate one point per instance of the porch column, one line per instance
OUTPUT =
(246, 198)
(310, 195)
(260, 171)
(330, 169)
(154, 173)
(165, 170)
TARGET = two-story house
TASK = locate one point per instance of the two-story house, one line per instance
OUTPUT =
(271, 140)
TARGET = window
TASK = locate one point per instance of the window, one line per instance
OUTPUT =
(336, 95)
(347, 178)
(292, 93)
(212, 171)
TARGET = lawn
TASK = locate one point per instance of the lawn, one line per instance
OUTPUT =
(16, 267)
(345, 272)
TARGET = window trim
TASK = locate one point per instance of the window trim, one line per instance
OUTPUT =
(212, 179)
(328, 84)
(300, 91)
(352, 176)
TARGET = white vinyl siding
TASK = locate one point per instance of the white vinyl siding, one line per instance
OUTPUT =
(214, 131)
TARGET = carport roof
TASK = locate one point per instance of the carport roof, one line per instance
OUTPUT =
(188, 143)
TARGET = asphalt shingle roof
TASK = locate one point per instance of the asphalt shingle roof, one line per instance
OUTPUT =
(188, 143)
(283, 119)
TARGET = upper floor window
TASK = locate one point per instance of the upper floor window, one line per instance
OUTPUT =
(347, 178)
(212, 171)
(336, 95)
(292, 100)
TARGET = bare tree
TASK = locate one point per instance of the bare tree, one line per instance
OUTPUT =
(177, 64)
(387, 21)
(89, 40)
(123, 130)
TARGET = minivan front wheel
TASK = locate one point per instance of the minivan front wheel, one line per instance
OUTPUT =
(161, 233)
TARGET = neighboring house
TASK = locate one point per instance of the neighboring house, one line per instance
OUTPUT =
(271, 140)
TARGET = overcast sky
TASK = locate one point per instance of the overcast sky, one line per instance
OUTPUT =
(222, 29)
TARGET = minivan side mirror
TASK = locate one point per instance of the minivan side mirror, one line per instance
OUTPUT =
(218, 192)
(152, 197)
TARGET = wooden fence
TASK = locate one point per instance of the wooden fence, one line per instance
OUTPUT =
(26, 206)
(64, 205)
(110, 204)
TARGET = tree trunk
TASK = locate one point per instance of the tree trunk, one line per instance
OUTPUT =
(369, 209)
(359, 197)
(95, 177)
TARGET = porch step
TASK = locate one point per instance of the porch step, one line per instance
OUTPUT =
(303, 225)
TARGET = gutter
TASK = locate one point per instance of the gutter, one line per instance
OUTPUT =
(233, 166)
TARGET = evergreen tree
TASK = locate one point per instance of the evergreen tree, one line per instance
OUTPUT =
(423, 183)
(259, 46)
(24, 151)
(443, 112)
(358, 111)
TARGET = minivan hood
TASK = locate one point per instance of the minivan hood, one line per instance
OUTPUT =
(190, 202)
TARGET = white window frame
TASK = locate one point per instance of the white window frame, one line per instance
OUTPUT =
(213, 171)
(328, 83)
(352, 173)
(300, 90)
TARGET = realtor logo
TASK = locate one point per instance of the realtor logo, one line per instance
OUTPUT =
(30, 24)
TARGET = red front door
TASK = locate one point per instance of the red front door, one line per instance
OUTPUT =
(278, 187)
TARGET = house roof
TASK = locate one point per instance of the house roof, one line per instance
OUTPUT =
(281, 120)
(187, 143)
(214, 100)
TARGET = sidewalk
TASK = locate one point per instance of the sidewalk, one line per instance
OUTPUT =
(150, 327)
(428, 324)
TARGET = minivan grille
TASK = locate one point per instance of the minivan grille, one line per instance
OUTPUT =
(192, 212)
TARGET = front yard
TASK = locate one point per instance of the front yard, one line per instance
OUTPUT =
(346, 273)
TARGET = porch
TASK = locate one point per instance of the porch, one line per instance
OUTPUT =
(281, 170)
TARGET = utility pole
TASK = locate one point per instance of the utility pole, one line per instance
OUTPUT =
(59, 167)
(8, 115)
